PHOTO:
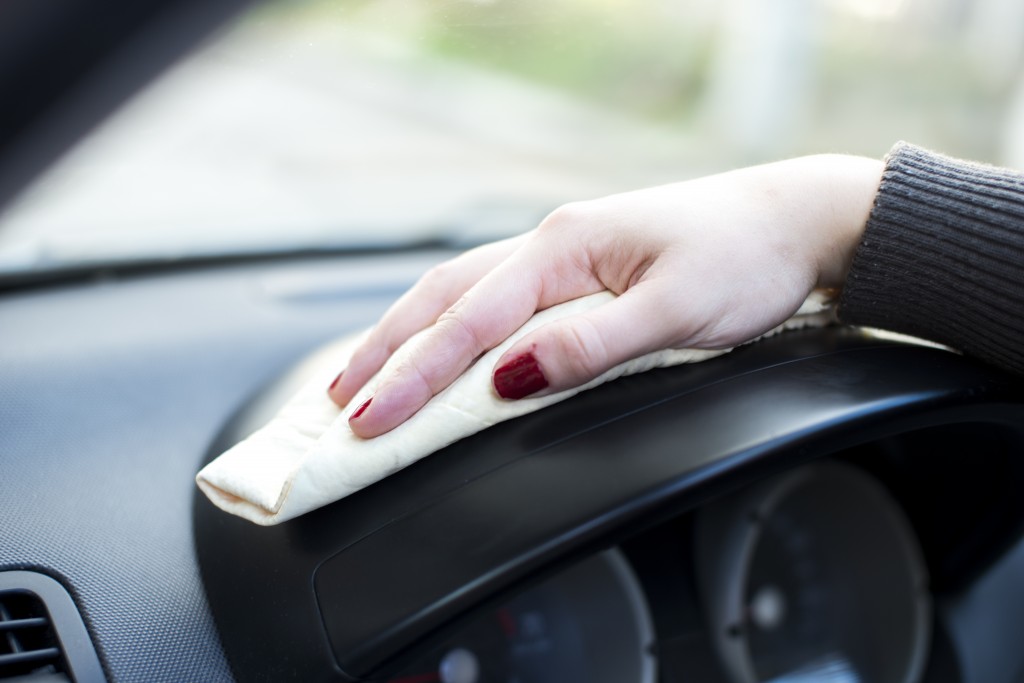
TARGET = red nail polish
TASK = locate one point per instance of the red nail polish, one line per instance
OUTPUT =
(336, 380)
(520, 377)
(360, 409)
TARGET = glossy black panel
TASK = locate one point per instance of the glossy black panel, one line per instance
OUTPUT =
(373, 575)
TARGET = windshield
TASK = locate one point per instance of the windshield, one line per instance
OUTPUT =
(353, 124)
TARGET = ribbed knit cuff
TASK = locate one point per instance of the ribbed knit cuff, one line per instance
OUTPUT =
(943, 256)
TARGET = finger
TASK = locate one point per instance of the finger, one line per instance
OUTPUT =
(416, 310)
(570, 352)
(489, 312)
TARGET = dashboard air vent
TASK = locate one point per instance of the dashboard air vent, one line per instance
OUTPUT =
(42, 636)
(27, 642)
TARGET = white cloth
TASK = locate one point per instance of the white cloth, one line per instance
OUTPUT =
(307, 456)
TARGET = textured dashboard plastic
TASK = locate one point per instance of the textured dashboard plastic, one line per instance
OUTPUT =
(347, 591)
(110, 393)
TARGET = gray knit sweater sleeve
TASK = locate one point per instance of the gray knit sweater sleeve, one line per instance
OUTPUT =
(943, 256)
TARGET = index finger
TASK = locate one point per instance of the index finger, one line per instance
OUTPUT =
(485, 316)
(417, 309)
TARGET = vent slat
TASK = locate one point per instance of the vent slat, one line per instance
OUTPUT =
(27, 643)
(16, 624)
(42, 655)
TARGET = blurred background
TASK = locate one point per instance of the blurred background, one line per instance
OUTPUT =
(336, 124)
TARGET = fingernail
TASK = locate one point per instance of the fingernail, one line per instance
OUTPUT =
(360, 409)
(519, 377)
(336, 380)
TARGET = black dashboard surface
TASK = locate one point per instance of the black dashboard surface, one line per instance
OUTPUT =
(110, 395)
(495, 511)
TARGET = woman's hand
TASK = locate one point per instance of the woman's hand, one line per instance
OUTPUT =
(707, 263)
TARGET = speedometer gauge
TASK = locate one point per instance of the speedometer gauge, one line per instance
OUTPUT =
(589, 623)
(815, 575)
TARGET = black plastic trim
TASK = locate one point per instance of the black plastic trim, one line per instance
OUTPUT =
(107, 271)
(79, 656)
(355, 586)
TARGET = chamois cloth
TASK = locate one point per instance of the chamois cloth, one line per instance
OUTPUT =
(307, 456)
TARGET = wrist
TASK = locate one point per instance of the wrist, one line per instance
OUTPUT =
(852, 184)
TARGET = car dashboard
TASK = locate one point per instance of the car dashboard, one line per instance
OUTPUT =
(824, 505)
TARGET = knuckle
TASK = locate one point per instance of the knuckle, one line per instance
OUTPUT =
(583, 349)
(371, 353)
(456, 331)
(439, 277)
(567, 218)
(410, 372)
(378, 347)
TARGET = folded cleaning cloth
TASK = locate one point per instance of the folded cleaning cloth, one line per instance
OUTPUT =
(307, 456)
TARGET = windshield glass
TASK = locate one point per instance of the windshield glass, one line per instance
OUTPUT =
(347, 124)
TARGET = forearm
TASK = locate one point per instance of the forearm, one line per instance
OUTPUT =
(942, 256)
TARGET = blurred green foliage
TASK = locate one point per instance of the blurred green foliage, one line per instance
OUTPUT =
(624, 55)
(913, 76)
(627, 59)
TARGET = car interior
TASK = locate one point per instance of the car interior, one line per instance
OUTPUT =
(836, 504)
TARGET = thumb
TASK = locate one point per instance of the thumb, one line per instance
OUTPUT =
(574, 350)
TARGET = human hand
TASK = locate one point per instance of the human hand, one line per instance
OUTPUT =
(708, 263)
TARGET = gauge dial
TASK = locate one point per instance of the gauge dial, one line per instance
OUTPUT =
(815, 575)
(589, 623)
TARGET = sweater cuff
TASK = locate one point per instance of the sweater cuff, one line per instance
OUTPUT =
(942, 256)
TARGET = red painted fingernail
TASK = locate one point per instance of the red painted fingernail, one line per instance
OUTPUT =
(336, 380)
(519, 377)
(360, 409)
